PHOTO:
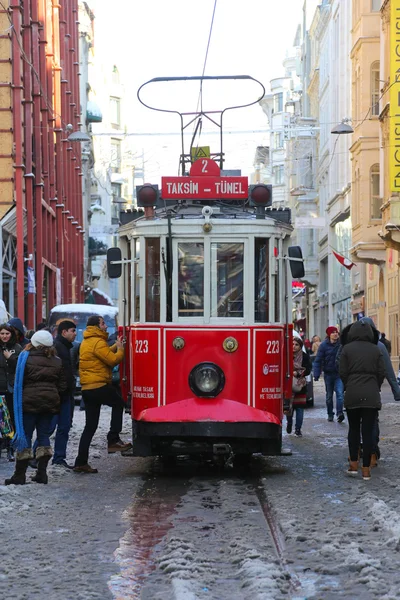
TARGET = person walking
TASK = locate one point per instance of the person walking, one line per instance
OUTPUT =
(326, 361)
(362, 371)
(301, 368)
(9, 352)
(39, 382)
(63, 343)
(387, 343)
(96, 361)
(19, 330)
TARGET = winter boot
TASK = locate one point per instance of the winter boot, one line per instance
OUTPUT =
(43, 455)
(366, 473)
(374, 461)
(353, 468)
(21, 465)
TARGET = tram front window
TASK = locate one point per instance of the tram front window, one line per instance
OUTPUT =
(191, 279)
(227, 280)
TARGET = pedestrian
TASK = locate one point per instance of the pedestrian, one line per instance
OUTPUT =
(315, 344)
(19, 331)
(39, 382)
(9, 352)
(96, 361)
(387, 343)
(301, 368)
(63, 343)
(362, 371)
(326, 361)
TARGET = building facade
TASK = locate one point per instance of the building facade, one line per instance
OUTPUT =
(40, 170)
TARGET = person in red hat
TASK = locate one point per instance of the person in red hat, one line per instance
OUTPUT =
(325, 362)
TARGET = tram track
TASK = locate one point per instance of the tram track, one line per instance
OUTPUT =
(203, 534)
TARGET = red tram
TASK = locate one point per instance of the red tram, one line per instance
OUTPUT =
(205, 291)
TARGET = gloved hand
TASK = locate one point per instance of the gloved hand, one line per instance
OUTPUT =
(316, 378)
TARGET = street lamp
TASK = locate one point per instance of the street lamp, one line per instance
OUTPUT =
(343, 127)
(79, 136)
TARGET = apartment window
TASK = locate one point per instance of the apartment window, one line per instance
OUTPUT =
(375, 198)
(115, 112)
(115, 156)
(376, 5)
(278, 140)
(278, 102)
(278, 175)
(375, 88)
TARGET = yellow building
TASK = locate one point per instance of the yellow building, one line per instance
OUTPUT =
(375, 278)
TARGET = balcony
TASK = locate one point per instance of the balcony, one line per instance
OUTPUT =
(390, 232)
(371, 252)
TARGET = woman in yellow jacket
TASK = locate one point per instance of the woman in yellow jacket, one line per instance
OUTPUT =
(96, 361)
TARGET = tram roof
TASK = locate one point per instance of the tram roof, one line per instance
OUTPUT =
(188, 216)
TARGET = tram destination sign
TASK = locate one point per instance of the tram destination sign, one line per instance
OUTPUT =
(204, 187)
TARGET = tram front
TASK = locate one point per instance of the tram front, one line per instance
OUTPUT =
(205, 292)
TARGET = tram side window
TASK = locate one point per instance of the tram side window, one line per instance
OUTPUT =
(191, 279)
(227, 280)
(261, 292)
(153, 280)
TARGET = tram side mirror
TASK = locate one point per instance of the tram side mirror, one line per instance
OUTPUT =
(114, 256)
(296, 262)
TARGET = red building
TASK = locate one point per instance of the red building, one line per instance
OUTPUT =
(41, 174)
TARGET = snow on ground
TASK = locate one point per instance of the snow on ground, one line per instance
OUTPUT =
(137, 530)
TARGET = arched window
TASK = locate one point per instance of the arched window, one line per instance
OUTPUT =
(376, 200)
(375, 88)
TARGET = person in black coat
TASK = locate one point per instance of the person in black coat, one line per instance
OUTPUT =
(362, 371)
(301, 368)
(9, 352)
(63, 343)
(39, 384)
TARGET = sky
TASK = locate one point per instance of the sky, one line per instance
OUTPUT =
(160, 38)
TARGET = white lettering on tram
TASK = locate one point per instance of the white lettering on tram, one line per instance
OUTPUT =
(187, 187)
(227, 187)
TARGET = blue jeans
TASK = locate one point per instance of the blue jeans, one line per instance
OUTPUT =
(41, 422)
(333, 383)
(299, 417)
(63, 423)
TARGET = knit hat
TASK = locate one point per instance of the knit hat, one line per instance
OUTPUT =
(331, 330)
(42, 338)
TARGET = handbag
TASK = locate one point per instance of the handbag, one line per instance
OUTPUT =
(6, 427)
(298, 383)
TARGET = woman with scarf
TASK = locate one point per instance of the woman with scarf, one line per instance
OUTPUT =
(301, 368)
(9, 352)
(39, 381)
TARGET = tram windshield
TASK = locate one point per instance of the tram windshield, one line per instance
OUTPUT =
(191, 279)
(227, 280)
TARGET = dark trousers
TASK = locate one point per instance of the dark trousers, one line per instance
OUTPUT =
(41, 422)
(93, 400)
(63, 423)
(366, 417)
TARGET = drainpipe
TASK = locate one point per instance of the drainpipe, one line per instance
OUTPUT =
(37, 148)
(17, 97)
(58, 195)
(28, 130)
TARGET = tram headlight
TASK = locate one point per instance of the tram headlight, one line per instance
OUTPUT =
(206, 380)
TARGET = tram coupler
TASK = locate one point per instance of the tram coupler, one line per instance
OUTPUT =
(219, 449)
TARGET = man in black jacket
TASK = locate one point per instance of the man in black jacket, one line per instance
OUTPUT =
(66, 334)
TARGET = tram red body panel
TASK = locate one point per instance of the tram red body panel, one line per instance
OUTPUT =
(199, 409)
(254, 374)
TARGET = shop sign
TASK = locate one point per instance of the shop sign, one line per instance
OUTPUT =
(394, 97)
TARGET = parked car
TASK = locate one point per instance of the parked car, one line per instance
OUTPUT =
(79, 314)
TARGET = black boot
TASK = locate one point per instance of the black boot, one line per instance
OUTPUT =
(43, 455)
(18, 478)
